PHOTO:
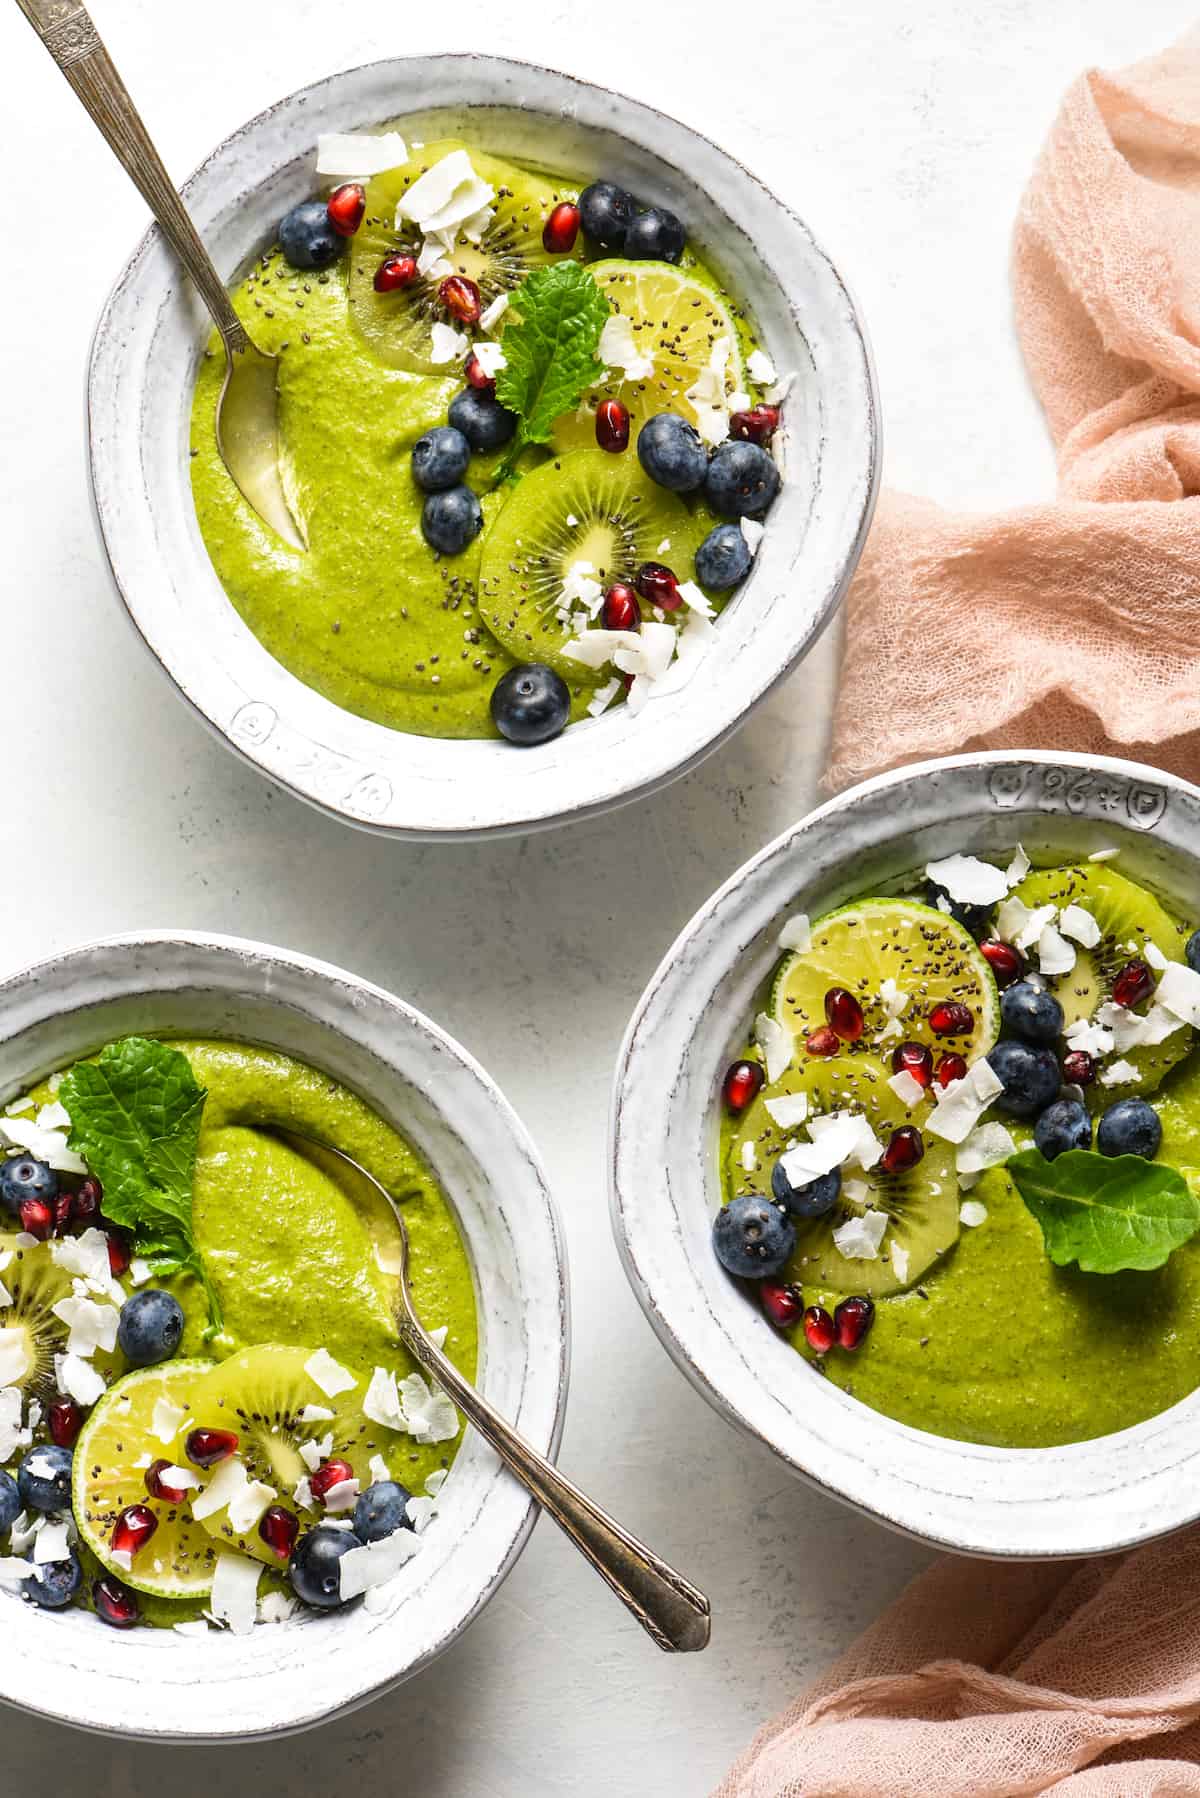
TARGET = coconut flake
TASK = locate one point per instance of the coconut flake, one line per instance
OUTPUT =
(235, 1592)
(1132, 1030)
(603, 697)
(1018, 867)
(329, 1374)
(313, 1452)
(358, 156)
(90, 1326)
(375, 1563)
(987, 1146)
(429, 1415)
(53, 1542)
(708, 395)
(1104, 855)
(139, 1271)
(302, 1496)
(382, 1401)
(910, 1092)
(839, 1137)
(1089, 1036)
(16, 1106)
(1155, 957)
(436, 1481)
(445, 196)
(1179, 992)
(1055, 954)
(1077, 922)
(447, 344)
(317, 1414)
(972, 1213)
(13, 1570)
(14, 1356)
(900, 1262)
(277, 1607)
(1120, 1073)
(184, 1479)
(749, 1157)
(247, 1506)
(49, 1146)
(797, 934)
(85, 1256)
(227, 1483)
(777, 1044)
(692, 597)
(618, 349)
(491, 315)
(968, 880)
(419, 1512)
(195, 1626)
(960, 1105)
(432, 260)
(753, 532)
(166, 1419)
(858, 1239)
(788, 1111)
(491, 359)
(78, 1379)
(760, 367)
(341, 1497)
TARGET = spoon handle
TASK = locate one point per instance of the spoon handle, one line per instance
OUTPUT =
(666, 1605)
(66, 29)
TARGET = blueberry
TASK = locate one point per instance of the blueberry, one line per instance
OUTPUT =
(815, 1199)
(606, 212)
(451, 520)
(314, 1571)
(530, 704)
(752, 1238)
(742, 480)
(10, 1502)
(672, 452)
(483, 421)
(44, 1479)
(21, 1177)
(381, 1510)
(976, 920)
(1062, 1126)
(1031, 1014)
(440, 458)
(1191, 950)
(723, 559)
(1031, 1078)
(655, 235)
(151, 1327)
(1130, 1127)
(54, 1583)
(307, 238)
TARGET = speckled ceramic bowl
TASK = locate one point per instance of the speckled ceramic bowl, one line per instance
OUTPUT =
(158, 1685)
(150, 338)
(1087, 1498)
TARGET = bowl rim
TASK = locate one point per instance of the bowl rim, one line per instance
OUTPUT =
(535, 814)
(287, 980)
(915, 1500)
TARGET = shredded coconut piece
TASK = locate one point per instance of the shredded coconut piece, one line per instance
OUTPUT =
(1120, 1073)
(429, 1415)
(618, 348)
(749, 1157)
(960, 1105)
(1103, 855)
(797, 934)
(972, 1213)
(1077, 922)
(789, 1111)
(777, 1044)
(447, 344)
(968, 880)
(357, 156)
(900, 1262)
(1179, 993)
(166, 1419)
(382, 1402)
(329, 1374)
(1055, 954)
(1018, 867)
(375, 1563)
(491, 315)
(235, 1592)
(760, 367)
(987, 1146)
(910, 1092)
(858, 1239)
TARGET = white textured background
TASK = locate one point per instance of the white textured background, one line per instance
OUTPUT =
(903, 134)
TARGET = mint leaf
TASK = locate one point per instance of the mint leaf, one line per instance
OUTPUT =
(135, 1118)
(1106, 1212)
(550, 351)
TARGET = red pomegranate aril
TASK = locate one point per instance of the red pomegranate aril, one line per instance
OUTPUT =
(915, 1059)
(204, 1448)
(742, 1084)
(115, 1603)
(279, 1528)
(1006, 963)
(1134, 983)
(782, 1303)
(656, 583)
(758, 425)
(86, 1201)
(951, 1019)
(119, 1254)
(478, 377)
(461, 298)
(133, 1529)
(905, 1148)
(843, 1014)
(1079, 1068)
(64, 1420)
(949, 1069)
(157, 1487)
(395, 272)
(37, 1218)
(328, 1475)
(62, 1212)
(823, 1042)
(852, 1319)
(621, 611)
(819, 1330)
(561, 229)
(347, 204)
(612, 426)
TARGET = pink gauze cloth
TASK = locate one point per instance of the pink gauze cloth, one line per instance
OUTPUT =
(1073, 624)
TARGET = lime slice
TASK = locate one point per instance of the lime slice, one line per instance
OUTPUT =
(930, 959)
(179, 1559)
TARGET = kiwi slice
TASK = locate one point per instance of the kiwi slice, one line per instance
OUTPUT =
(1129, 918)
(921, 1204)
(588, 507)
(397, 326)
(929, 956)
(36, 1284)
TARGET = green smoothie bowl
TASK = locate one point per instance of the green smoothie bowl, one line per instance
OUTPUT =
(230, 1502)
(577, 433)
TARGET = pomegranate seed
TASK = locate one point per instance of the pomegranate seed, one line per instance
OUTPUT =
(37, 1218)
(758, 425)
(782, 1303)
(621, 609)
(1134, 983)
(133, 1529)
(852, 1319)
(949, 1069)
(115, 1603)
(823, 1041)
(844, 1014)
(204, 1448)
(394, 272)
(62, 1212)
(655, 582)
(905, 1148)
(86, 1202)
(819, 1330)
(561, 229)
(64, 1421)
(157, 1487)
(951, 1019)
(1006, 963)
(478, 377)
(461, 298)
(915, 1059)
(612, 426)
(1079, 1068)
(742, 1085)
(347, 205)
(119, 1254)
(279, 1528)
(328, 1475)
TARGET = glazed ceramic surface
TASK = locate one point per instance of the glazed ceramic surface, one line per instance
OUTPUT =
(164, 1686)
(1086, 1498)
(152, 333)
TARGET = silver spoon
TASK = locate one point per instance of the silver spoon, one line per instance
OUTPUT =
(247, 421)
(666, 1605)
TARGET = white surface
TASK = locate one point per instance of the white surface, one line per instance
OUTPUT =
(904, 135)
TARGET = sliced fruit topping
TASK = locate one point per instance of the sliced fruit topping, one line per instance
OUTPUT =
(31, 1335)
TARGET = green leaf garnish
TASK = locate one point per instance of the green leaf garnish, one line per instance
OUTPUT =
(135, 1118)
(549, 348)
(1106, 1212)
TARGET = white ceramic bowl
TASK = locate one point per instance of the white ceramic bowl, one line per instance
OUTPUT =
(144, 359)
(158, 1685)
(1087, 1498)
